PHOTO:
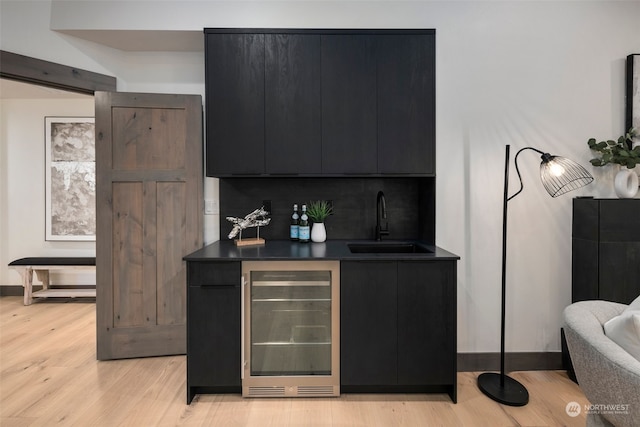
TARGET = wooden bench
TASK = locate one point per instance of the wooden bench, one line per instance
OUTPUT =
(42, 266)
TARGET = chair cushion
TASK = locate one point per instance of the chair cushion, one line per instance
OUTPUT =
(624, 329)
(54, 261)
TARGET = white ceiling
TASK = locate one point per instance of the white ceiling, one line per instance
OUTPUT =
(11, 89)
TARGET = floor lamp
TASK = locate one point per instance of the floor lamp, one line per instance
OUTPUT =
(559, 175)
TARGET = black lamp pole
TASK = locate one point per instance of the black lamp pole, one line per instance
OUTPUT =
(501, 387)
(559, 175)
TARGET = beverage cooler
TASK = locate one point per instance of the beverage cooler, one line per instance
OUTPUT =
(291, 341)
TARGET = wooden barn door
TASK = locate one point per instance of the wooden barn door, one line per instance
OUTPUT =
(149, 194)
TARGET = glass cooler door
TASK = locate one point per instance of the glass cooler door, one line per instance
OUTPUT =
(290, 330)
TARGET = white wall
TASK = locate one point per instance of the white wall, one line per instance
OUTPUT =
(544, 73)
(22, 198)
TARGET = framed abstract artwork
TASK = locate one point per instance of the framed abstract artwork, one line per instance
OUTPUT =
(70, 188)
(633, 94)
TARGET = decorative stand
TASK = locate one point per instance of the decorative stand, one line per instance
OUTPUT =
(256, 219)
(255, 241)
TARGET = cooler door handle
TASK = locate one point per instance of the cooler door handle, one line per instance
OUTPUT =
(243, 363)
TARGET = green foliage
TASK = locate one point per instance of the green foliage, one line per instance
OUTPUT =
(319, 210)
(618, 152)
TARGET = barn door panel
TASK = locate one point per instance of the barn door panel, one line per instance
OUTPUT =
(149, 215)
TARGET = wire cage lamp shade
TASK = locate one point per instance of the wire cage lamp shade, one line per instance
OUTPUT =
(560, 175)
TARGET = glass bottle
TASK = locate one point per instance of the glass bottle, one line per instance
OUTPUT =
(304, 228)
(295, 223)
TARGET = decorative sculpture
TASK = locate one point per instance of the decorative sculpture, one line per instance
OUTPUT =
(257, 218)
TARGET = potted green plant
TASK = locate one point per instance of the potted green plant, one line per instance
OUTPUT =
(318, 211)
(619, 152)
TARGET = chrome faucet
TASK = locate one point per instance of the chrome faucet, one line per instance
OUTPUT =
(381, 212)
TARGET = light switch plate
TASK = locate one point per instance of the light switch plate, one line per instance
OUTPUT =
(211, 207)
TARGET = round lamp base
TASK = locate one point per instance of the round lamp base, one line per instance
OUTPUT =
(512, 393)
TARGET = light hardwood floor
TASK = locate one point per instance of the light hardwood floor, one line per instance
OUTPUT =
(49, 375)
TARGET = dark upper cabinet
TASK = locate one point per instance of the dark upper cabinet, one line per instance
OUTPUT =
(406, 104)
(349, 104)
(292, 104)
(378, 104)
(320, 102)
(235, 79)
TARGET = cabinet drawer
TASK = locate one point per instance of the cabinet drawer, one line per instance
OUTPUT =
(224, 273)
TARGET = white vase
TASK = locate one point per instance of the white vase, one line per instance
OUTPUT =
(626, 183)
(318, 232)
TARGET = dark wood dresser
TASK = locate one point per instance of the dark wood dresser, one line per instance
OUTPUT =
(606, 250)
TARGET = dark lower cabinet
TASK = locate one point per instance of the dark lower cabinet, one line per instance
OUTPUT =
(398, 326)
(427, 323)
(368, 323)
(213, 328)
(606, 250)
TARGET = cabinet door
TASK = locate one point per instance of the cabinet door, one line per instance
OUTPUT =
(292, 104)
(426, 323)
(406, 104)
(348, 104)
(619, 271)
(619, 250)
(213, 328)
(584, 247)
(235, 103)
(368, 323)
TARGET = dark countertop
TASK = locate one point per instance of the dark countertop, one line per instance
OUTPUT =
(329, 250)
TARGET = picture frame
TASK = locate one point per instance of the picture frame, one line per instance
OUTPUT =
(633, 95)
(70, 190)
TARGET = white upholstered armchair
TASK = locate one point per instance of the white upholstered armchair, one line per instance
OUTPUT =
(607, 374)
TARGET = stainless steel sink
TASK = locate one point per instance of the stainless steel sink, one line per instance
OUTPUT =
(387, 248)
